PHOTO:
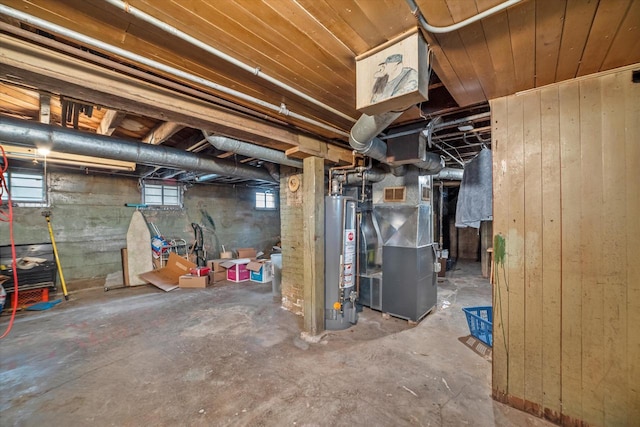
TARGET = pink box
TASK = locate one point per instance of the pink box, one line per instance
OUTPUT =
(237, 269)
(239, 273)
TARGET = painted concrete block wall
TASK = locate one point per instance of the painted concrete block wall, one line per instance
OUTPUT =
(292, 242)
(231, 209)
(90, 223)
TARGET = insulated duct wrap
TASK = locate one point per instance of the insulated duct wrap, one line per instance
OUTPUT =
(251, 150)
(31, 134)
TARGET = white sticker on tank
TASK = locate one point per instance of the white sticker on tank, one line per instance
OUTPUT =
(348, 280)
(348, 269)
(349, 241)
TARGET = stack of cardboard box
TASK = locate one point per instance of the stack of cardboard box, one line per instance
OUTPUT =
(218, 273)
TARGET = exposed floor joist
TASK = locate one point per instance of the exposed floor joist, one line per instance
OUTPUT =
(57, 73)
(162, 132)
(110, 122)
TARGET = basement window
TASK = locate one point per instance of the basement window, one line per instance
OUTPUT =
(161, 194)
(27, 189)
(265, 200)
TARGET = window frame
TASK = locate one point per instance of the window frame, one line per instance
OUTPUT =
(162, 186)
(266, 206)
(41, 176)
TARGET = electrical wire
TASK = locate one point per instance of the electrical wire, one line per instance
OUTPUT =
(9, 218)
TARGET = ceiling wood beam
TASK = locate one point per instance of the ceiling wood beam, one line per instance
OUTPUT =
(55, 72)
(162, 132)
(110, 122)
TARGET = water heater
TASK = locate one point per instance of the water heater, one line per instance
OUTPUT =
(340, 262)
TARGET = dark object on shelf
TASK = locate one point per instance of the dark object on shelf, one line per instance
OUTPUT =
(35, 274)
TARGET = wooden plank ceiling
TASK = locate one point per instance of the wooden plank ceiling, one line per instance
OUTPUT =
(311, 45)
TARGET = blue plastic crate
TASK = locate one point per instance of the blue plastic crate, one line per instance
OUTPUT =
(480, 321)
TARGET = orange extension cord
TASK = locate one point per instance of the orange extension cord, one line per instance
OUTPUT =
(9, 218)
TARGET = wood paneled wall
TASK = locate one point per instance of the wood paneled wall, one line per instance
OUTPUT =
(566, 323)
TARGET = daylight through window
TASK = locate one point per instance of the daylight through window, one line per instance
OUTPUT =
(162, 195)
(265, 200)
(25, 187)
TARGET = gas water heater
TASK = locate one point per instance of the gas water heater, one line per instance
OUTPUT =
(340, 262)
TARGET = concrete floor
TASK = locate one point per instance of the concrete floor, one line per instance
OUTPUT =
(229, 355)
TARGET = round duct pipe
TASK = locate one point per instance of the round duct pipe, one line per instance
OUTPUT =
(352, 178)
(449, 174)
(362, 137)
(251, 150)
(32, 134)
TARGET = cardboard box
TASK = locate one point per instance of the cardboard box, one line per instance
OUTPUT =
(237, 269)
(246, 253)
(260, 271)
(189, 281)
(167, 278)
(217, 276)
(214, 264)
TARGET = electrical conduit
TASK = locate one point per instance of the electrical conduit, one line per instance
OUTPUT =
(415, 10)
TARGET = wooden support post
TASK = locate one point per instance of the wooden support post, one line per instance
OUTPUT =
(486, 242)
(313, 231)
(45, 108)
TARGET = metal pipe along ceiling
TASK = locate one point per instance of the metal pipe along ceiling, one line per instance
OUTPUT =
(251, 150)
(81, 38)
(415, 11)
(33, 134)
(125, 6)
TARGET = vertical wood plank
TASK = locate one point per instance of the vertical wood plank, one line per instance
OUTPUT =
(549, 22)
(515, 250)
(313, 230)
(570, 183)
(577, 22)
(551, 252)
(453, 49)
(625, 48)
(495, 26)
(475, 44)
(591, 251)
(523, 43)
(632, 229)
(532, 253)
(603, 29)
(613, 265)
(499, 146)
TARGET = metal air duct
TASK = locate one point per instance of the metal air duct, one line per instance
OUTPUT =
(64, 140)
(363, 139)
(250, 150)
(450, 174)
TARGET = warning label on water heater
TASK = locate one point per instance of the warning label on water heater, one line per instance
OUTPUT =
(349, 256)
(349, 241)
